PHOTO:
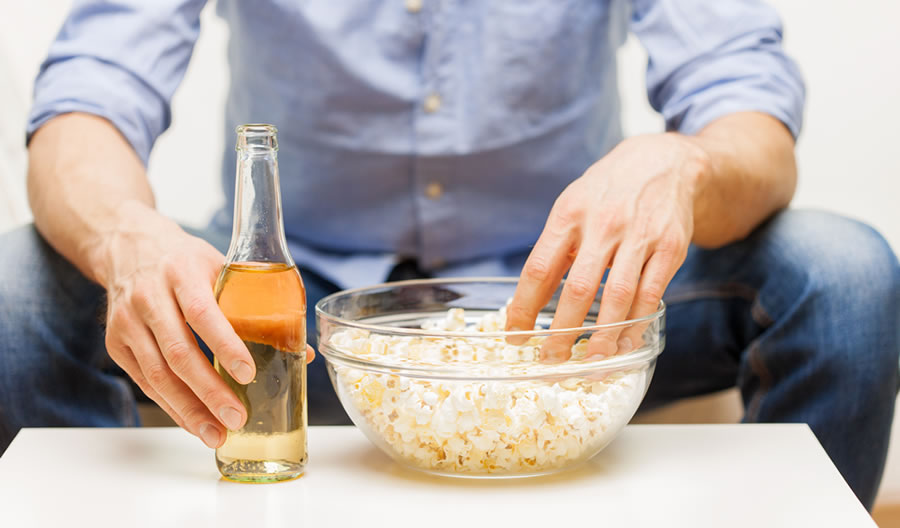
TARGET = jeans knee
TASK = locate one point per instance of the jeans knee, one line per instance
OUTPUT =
(20, 246)
(35, 279)
(20, 263)
(837, 257)
(848, 280)
(46, 304)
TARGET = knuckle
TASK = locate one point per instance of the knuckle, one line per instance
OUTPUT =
(537, 269)
(157, 375)
(112, 344)
(193, 414)
(171, 266)
(564, 221)
(212, 397)
(197, 309)
(580, 288)
(650, 294)
(619, 292)
(563, 202)
(141, 298)
(178, 355)
(610, 221)
(672, 244)
(118, 320)
(117, 355)
(566, 212)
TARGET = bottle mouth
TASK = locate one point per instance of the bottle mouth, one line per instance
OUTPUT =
(256, 136)
(256, 129)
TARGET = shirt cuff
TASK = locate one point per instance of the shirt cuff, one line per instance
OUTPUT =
(93, 86)
(769, 88)
(714, 106)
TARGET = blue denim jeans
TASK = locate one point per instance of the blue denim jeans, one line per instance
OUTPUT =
(803, 317)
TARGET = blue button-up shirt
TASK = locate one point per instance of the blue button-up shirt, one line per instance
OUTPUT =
(441, 130)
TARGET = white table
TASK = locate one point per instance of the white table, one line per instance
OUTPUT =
(652, 475)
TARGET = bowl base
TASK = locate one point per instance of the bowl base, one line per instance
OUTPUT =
(492, 476)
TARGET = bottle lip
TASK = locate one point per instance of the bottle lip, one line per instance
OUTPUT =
(256, 129)
(256, 137)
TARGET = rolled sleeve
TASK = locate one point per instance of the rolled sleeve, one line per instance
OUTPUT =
(710, 59)
(120, 60)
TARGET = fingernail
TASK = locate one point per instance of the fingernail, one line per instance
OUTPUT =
(230, 417)
(553, 353)
(516, 340)
(598, 349)
(552, 360)
(210, 435)
(242, 372)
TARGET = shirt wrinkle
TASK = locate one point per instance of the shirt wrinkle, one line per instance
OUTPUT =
(443, 133)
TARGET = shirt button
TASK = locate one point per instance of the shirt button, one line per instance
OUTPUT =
(413, 6)
(432, 103)
(434, 190)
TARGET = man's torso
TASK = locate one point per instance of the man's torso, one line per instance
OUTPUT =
(443, 133)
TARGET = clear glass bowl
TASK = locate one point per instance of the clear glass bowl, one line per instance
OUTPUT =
(445, 391)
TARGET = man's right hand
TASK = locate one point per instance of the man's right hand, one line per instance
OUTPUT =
(159, 280)
(92, 202)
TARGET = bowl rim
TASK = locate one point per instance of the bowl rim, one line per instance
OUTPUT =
(463, 372)
(422, 332)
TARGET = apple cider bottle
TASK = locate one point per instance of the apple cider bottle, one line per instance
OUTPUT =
(262, 296)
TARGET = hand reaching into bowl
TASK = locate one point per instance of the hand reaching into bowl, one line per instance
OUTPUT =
(637, 210)
(630, 212)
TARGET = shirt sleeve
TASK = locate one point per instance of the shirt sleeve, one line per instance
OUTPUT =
(712, 58)
(121, 60)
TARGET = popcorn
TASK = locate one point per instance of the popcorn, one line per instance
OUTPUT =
(482, 426)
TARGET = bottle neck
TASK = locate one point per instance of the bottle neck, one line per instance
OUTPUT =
(258, 234)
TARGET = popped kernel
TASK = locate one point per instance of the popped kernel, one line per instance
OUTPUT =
(482, 426)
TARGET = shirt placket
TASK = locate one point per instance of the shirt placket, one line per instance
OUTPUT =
(434, 132)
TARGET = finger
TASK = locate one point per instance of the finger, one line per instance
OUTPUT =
(579, 292)
(543, 270)
(203, 314)
(617, 298)
(124, 358)
(184, 358)
(131, 367)
(658, 273)
(310, 354)
(196, 417)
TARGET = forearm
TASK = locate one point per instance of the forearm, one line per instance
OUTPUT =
(92, 202)
(750, 174)
(81, 175)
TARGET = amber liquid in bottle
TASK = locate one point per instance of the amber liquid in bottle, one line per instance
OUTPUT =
(266, 305)
(261, 294)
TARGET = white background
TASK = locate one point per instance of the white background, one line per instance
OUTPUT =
(848, 153)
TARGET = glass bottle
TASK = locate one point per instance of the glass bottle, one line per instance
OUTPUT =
(262, 295)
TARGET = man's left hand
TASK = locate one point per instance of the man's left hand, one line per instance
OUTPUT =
(631, 212)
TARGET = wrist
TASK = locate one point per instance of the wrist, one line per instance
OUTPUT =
(696, 166)
(122, 225)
